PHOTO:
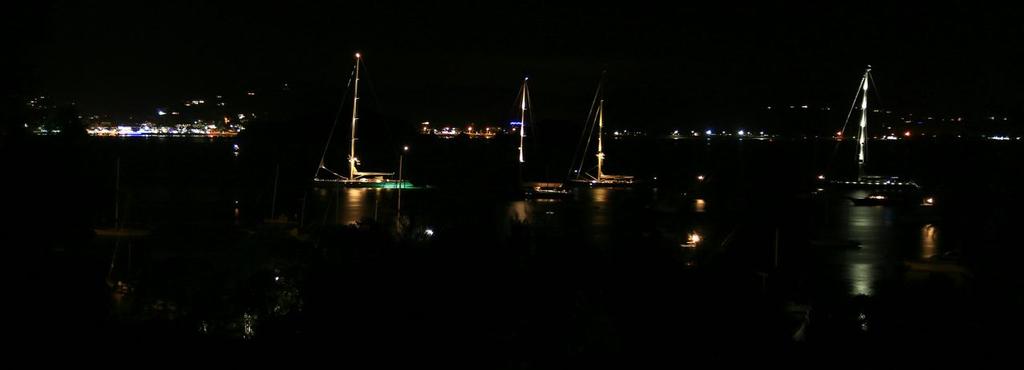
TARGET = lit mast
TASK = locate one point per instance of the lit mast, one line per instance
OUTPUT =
(522, 122)
(352, 172)
(600, 134)
(863, 122)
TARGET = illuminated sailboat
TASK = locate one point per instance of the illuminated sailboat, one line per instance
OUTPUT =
(863, 180)
(600, 178)
(532, 189)
(355, 177)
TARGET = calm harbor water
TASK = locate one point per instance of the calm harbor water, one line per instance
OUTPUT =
(213, 266)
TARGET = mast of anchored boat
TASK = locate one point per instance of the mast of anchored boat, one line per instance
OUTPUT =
(522, 122)
(352, 172)
(861, 137)
(600, 135)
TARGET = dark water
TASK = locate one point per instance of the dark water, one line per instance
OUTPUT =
(598, 276)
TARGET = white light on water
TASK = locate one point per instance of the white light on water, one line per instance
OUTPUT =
(861, 277)
(428, 232)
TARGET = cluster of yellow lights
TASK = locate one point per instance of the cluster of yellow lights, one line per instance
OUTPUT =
(692, 240)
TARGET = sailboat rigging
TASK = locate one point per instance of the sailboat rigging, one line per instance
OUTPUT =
(118, 229)
(532, 189)
(600, 178)
(522, 121)
(355, 177)
(863, 180)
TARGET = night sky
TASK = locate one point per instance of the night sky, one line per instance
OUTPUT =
(463, 62)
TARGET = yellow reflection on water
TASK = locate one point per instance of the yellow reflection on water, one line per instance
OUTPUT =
(698, 205)
(519, 211)
(867, 219)
(927, 241)
(600, 211)
(352, 209)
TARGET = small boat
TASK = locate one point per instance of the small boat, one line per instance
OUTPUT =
(355, 177)
(600, 179)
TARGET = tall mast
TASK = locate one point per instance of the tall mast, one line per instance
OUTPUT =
(352, 172)
(117, 195)
(522, 122)
(600, 134)
(861, 137)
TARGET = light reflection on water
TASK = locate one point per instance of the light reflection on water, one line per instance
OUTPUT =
(698, 205)
(352, 205)
(872, 228)
(354, 208)
(598, 195)
(592, 209)
(928, 241)
(599, 207)
(520, 211)
(592, 212)
(862, 278)
(595, 205)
